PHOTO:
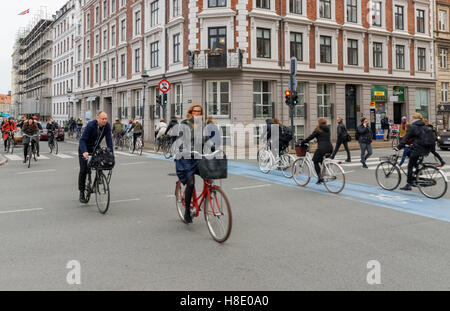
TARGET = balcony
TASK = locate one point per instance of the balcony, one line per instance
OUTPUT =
(218, 110)
(266, 110)
(215, 60)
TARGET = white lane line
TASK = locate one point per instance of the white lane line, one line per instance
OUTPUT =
(122, 201)
(71, 142)
(63, 156)
(360, 164)
(134, 163)
(22, 210)
(34, 172)
(125, 154)
(252, 187)
(170, 196)
(43, 157)
(12, 157)
(74, 153)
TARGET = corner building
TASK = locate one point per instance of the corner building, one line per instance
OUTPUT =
(356, 58)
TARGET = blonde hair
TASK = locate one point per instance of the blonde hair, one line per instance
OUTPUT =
(417, 116)
(211, 120)
(189, 111)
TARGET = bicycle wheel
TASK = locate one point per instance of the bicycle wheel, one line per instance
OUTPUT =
(8, 144)
(102, 195)
(167, 151)
(388, 176)
(130, 146)
(29, 155)
(286, 161)
(264, 161)
(12, 145)
(50, 146)
(179, 200)
(431, 182)
(301, 172)
(218, 215)
(141, 146)
(55, 148)
(87, 188)
(333, 177)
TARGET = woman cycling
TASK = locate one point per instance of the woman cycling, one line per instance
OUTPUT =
(187, 165)
(322, 134)
(32, 130)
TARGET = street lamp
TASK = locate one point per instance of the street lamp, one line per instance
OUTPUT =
(144, 77)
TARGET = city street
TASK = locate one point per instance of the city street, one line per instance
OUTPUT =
(283, 238)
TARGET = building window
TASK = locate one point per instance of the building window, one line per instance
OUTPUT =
(122, 30)
(217, 3)
(299, 110)
(325, 9)
(178, 100)
(217, 38)
(113, 6)
(352, 49)
(79, 79)
(137, 60)
(324, 100)
(113, 35)
(122, 65)
(113, 68)
(399, 21)
(97, 43)
(154, 48)
(79, 53)
(444, 92)
(442, 20)
(443, 57)
(88, 48)
(262, 99)
(138, 103)
(154, 10)
(421, 60)
(96, 73)
(299, 132)
(105, 9)
(263, 4)
(376, 13)
(422, 102)
(97, 15)
(421, 21)
(295, 6)
(400, 56)
(325, 49)
(218, 98)
(297, 45)
(105, 70)
(105, 40)
(377, 55)
(263, 43)
(137, 23)
(88, 76)
(88, 21)
(176, 8)
(352, 11)
(176, 48)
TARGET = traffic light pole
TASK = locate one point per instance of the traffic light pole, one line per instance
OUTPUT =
(293, 94)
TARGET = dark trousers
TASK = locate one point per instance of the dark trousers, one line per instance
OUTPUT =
(338, 145)
(84, 171)
(135, 136)
(437, 155)
(413, 159)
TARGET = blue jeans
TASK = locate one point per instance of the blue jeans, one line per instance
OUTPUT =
(405, 154)
(365, 148)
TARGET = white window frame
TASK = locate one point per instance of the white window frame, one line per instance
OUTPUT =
(444, 92)
(442, 20)
(443, 58)
(334, 46)
(333, 11)
(123, 31)
(383, 14)
(424, 7)
(358, 14)
(137, 29)
(113, 34)
(219, 103)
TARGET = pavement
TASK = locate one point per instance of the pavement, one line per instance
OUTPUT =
(283, 238)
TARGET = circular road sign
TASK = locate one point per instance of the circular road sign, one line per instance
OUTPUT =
(164, 86)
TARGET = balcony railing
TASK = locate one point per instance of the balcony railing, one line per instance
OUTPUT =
(263, 110)
(218, 110)
(201, 60)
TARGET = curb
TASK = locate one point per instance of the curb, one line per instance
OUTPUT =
(3, 160)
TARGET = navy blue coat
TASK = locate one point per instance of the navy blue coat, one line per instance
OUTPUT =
(90, 137)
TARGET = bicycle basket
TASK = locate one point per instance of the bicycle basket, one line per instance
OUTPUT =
(103, 160)
(213, 168)
(301, 150)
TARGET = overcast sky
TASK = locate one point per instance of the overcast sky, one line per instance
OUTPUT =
(10, 22)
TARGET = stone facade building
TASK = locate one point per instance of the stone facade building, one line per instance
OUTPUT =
(442, 46)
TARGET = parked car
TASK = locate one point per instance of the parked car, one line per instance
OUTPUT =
(44, 134)
(444, 139)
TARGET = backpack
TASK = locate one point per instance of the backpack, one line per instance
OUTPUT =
(427, 138)
(285, 134)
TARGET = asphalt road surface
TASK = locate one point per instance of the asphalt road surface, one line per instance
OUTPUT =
(283, 237)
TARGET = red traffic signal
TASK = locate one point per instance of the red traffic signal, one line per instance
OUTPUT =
(288, 93)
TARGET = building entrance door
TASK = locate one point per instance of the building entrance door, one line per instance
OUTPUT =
(397, 113)
(350, 106)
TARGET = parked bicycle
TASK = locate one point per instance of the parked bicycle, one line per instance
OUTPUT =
(213, 201)
(267, 161)
(430, 180)
(332, 172)
(31, 152)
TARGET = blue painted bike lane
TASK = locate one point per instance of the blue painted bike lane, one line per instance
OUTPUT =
(407, 202)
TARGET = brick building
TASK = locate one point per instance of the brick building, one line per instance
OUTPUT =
(356, 58)
(442, 42)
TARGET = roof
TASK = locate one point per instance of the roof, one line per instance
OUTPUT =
(2, 99)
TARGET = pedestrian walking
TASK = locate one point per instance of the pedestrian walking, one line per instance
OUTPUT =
(364, 136)
(343, 138)
(385, 127)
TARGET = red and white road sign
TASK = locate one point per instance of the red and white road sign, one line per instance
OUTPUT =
(164, 86)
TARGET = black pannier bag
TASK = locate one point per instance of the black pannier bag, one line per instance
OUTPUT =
(213, 168)
(102, 159)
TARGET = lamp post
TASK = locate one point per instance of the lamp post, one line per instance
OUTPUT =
(144, 77)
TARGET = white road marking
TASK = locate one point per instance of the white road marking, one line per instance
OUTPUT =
(22, 210)
(43, 157)
(252, 187)
(360, 164)
(71, 142)
(121, 201)
(125, 154)
(34, 172)
(170, 196)
(63, 156)
(134, 163)
(13, 157)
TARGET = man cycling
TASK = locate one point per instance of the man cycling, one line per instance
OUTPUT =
(8, 128)
(51, 129)
(414, 134)
(38, 136)
(137, 131)
(79, 127)
(91, 139)
(72, 126)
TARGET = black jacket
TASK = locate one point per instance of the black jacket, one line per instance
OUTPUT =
(91, 135)
(52, 127)
(323, 139)
(365, 134)
(412, 134)
(342, 131)
(384, 124)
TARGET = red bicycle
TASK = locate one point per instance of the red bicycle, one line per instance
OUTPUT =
(216, 208)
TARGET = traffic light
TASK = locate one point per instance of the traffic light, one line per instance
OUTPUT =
(288, 97)
(165, 99)
(294, 98)
(158, 100)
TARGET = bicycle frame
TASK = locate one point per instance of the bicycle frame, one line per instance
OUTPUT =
(324, 163)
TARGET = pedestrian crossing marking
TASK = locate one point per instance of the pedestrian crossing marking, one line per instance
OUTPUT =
(63, 156)
(13, 157)
(125, 154)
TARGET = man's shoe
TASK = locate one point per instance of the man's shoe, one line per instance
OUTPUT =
(320, 181)
(443, 163)
(187, 217)
(82, 197)
(348, 160)
(406, 188)
(38, 155)
(365, 166)
(24, 161)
